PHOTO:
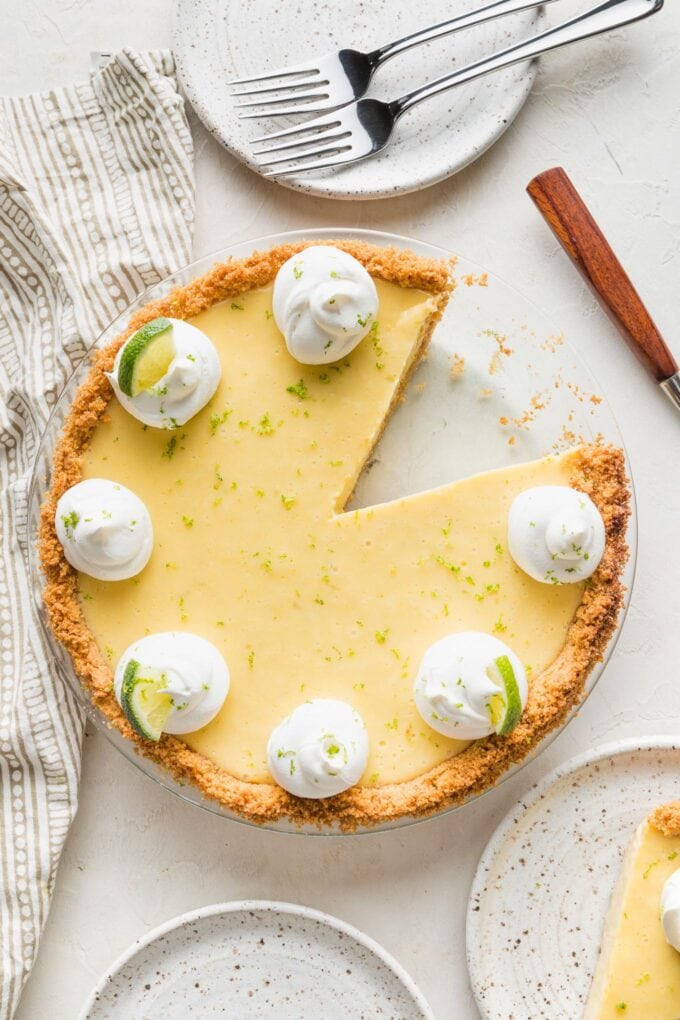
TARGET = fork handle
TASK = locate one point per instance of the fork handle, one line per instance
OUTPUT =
(570, 220)
(602, 18)
(497, 9)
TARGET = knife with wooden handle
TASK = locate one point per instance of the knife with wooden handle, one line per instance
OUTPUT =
(568, 217)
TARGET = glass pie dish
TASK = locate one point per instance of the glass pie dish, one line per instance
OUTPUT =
(499, 386)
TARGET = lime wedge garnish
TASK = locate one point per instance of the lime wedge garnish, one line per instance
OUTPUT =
(144, 703)
(504, 708)
(146, 357)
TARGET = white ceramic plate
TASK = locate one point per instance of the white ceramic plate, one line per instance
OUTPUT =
(256, 959)
(219, 40)
(523, 393)
(542, 887)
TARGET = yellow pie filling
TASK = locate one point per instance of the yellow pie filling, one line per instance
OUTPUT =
(638, 977)
(253, 549)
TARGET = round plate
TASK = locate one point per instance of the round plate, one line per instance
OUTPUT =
(542, 887)
(523, 393)
(256, 959)
(216, 41)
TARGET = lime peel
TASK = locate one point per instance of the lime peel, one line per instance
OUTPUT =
(505, 708)
(146, 357)
(144, 702)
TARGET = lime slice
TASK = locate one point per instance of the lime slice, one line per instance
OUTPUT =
(504, 708)
(146, 357)
(144, 703)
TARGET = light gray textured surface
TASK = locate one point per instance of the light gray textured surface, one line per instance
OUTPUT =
(609, 111)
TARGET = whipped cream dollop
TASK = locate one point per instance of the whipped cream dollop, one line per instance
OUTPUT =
(452, 690)
(190, 381)
(193, 672)
(324, 304)
(319, 750)
(556, 534)
(105, 529)
(670, 909)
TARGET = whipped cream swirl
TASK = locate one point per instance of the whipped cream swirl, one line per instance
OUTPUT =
(193, 673)
(670, 910)
(319, 750)
(324, 304)
(105, 529)
(190, 381)
(452, 690)
(556, 534)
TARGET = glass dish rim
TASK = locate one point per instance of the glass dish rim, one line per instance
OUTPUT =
(65, 670)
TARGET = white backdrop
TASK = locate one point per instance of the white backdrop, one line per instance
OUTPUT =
(609, 111)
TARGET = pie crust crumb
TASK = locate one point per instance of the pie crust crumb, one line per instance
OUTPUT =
(667, 818)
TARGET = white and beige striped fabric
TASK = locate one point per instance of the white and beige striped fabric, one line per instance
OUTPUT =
(96, 204)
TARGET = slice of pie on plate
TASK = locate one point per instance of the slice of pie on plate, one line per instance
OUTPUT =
(449, 657)
(638, 972)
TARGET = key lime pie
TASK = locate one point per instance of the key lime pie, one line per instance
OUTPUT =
(638, 973)
(226, 613)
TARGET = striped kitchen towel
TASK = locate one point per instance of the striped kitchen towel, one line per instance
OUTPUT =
(96, 204)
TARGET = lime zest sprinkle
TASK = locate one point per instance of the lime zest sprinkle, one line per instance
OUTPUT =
(381, 636)
(298, 389)
(187, 521)
(652, 864)
(218, 419)
(265, 427)
(449, 566)
(70, 522)
(171, 446)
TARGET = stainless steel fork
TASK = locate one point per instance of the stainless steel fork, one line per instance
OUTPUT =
(365, 126)
(324, 83)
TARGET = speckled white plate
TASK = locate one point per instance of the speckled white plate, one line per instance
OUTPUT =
(218, 40)
(542, 888)
(254, 959)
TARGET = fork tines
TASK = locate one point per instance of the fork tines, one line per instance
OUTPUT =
(328, 136)
(298, 87)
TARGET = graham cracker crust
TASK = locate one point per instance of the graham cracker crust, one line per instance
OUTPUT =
(666, 818)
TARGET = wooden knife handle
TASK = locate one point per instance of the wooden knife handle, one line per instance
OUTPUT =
(566, 213)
